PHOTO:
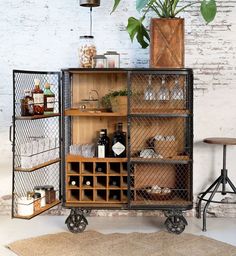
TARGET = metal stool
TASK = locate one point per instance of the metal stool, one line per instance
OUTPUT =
(222, 179)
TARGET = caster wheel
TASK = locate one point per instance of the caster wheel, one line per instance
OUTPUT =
(76, 226)
(175, 225)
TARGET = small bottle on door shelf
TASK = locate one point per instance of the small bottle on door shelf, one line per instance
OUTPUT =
(38, 97)
(27, 104)
(49, 100)
(119, 142)
(103, 144)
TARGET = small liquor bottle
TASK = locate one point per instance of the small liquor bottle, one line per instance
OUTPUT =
(27, 104)
(38, 97)
(49, 100)
(119, 142)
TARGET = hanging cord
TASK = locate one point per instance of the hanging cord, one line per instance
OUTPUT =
(91, 20)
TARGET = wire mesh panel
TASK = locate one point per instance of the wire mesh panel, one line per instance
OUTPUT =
(155, 93)
(160, 139)
(36, 145)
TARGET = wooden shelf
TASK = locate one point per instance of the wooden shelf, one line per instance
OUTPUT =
(35, 117)
(43, 209)
(162, 111)
(173, 160)
(77, 158)
(77, 112)
(19, 169)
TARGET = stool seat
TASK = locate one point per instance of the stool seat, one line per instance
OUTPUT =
(220, 141)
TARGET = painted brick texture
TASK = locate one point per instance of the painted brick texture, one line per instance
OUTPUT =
(44, 35)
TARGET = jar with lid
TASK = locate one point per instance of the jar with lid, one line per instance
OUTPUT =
(37, 201)
(27, 104)
(50, 194)
(113, 59)
(87, 51)
(41, 191)
(99, 61)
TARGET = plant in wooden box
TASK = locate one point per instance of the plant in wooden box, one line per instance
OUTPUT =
(116, 101)
(167, 31)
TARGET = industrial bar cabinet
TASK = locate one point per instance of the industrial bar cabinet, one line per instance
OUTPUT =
(154, 174)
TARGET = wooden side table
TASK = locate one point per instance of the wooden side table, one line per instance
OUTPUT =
(223, 179)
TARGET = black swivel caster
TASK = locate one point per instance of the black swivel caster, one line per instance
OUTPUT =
(76, 221)
(175, 222)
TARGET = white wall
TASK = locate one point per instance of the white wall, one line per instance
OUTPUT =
(44, 35)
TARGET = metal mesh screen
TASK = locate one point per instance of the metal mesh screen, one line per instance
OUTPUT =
(36, 144)
(160, 136)
(158, 93)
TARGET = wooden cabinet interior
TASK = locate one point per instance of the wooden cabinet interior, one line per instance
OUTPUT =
(117, 185)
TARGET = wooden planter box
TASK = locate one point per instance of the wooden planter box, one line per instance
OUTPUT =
(119, 104)
(167, 43)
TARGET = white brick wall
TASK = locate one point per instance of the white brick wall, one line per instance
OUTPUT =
(44, 35)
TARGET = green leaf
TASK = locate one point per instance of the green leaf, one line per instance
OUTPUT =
(140, 4)
(208, 10)
(136, 28)
(116, 3)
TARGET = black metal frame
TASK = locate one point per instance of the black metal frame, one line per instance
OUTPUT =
(15, 118)
(175, 220)
(174, 211)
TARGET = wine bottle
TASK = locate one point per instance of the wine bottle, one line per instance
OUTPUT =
(103, 145)
(86, 181)
(119, 142)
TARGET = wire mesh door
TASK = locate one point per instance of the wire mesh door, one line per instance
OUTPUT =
(160, 139)
(36, 148)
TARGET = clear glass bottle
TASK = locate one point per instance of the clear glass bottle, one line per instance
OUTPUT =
(119, 142)
(27, 104)
(38, 97)
(49, 99)
(87, 51)
(113, 59)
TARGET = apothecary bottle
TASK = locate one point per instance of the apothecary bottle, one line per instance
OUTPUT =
(49, 99)
(27, 104)
(87, 50)
(38, 97)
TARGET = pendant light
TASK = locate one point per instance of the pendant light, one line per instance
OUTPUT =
(90, 3)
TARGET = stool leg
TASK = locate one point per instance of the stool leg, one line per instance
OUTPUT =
(203, 195)
(231, 184)
(207, 204)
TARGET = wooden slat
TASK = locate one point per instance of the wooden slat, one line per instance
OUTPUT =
(19, 169)
(35, 117)
(43, 209)
(77, 112)
(75, 158)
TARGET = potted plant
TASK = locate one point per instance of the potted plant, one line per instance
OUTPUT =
(167, 30)
(116, 101)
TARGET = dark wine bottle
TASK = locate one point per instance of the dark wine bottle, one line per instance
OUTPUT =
(74, 181)
(87, 181)
(103, 145)
(119, 142)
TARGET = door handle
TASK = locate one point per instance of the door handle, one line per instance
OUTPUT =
(10, 133)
